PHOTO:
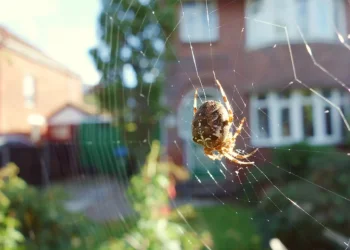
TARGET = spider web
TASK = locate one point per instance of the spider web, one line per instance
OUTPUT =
(296, 80)
(108, 194)
(248, 183)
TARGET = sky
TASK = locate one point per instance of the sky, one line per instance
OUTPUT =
(64, 29)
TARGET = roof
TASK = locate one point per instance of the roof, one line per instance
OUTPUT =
(85, 110)
(17, 44)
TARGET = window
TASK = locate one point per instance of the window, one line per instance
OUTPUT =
(29, 91)
(345, 108)
(322, 19)
(284, 114)
(328, 120)
(302, 14)
(260, 110)
(194, 26)
(286, 118)
(263, 123)
(307, 114)
(308, 126)
(318, 20)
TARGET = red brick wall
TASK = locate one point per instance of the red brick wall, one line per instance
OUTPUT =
(53, 89)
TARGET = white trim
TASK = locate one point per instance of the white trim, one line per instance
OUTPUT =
(295, 103)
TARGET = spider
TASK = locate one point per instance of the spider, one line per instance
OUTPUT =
(211, 129)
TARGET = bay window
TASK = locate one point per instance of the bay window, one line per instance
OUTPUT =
(286, 118)
(318, 20)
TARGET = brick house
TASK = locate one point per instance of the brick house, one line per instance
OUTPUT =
(32, 87)
(247, 47)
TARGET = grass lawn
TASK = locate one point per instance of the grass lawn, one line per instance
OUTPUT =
(231, 227)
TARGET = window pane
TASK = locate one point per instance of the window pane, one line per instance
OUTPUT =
(303, 15)
(261, 96)
(285, 122)
(344, 93)
(326, 93)
(328, 120)
(306, 92)
(195, 23)
(324, 17)
(284, 94)
(345, 132)
(307, 121)
(263, 122)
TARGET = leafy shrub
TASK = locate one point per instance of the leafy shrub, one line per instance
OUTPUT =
(157, 227)
(10, 237)
(39, 216)
(319, 175)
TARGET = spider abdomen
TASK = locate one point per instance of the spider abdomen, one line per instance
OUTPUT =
(210, 125)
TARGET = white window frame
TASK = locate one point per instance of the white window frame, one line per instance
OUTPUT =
(295, 103)
(29, 91)
(256, 106)
(194, 24)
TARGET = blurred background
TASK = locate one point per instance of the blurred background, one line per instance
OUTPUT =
(96, 108)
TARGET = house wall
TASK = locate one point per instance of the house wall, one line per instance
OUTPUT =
(242, 71)
(54, 87)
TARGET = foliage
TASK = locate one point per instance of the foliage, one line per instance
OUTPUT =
(10, 237)
(155, 227)
(42, 220)
(317, 179)
(133, 33)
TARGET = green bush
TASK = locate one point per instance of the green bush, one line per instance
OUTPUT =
(10, 237)
(157, 228)
(39, 217)
(319, 174)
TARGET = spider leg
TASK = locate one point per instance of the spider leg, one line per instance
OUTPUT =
(238, 129)
(195, 102)
(228, 106)
(239, 156)
(208, 152)
(231, 158)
